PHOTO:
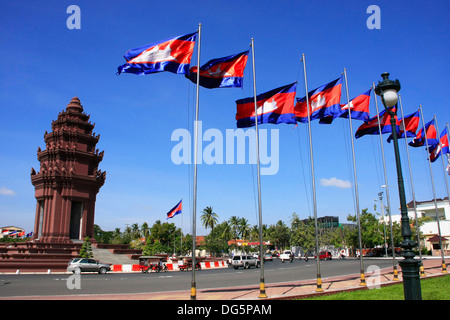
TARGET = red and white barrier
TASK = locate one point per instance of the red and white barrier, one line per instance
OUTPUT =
(170, 266)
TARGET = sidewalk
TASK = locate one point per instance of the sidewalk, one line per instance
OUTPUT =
(278, 291)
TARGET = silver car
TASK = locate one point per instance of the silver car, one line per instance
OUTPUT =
(245, 261)
(79, 265)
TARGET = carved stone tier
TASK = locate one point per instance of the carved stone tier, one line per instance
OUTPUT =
(68, 180)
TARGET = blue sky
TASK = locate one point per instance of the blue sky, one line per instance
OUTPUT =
(44, 65)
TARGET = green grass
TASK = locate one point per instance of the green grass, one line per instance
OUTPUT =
(437, 288)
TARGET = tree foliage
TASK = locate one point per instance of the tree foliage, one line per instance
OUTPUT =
(167, 238)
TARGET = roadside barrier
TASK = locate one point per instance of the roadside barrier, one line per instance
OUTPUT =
(170, 266)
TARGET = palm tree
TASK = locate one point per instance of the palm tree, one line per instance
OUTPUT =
(209, 218)
(135, 231)
(227, 232)
(234, 223)
(244, 228)
(145, 230)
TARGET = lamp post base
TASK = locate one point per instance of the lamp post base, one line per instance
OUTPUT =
(411, 279)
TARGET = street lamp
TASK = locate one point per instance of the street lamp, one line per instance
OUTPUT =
(388, 91)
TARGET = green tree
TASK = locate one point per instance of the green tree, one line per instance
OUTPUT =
(86, 249)
(234, 224)
(371, 230)
(215, 243)
(209, 218)
(280, 234)
(243, 228)
(303, 233)
(227, 232)
(145, 230)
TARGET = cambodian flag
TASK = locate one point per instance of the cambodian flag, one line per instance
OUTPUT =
(411, 126)
(435, 151)
(359, 107)
(430, 130)
(275, 106)
(371, 126)
(175, 210)
(222, 72)
(173, 55)
(323, 102)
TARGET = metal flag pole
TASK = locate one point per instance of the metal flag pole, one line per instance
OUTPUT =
(422, 271)
(388, 200)
(194, 202)
(448, 159)
(262, 289)
(361, 263)
(444, 268)
(380, 196)
(442, 155)
(181, 235)
(311, 155)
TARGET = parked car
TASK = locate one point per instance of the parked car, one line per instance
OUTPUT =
(324, 255)
(79, 265)
(245, 261)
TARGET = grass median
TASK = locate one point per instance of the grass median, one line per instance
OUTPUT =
(436, 288)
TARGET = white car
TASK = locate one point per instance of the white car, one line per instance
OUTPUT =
(286, 256)
(245, 261)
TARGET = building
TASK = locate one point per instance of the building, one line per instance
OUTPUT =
(69, 179)
(330, 222)
(429, 230)
(11, 232)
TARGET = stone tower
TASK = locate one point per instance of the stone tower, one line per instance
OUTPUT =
(67, 184)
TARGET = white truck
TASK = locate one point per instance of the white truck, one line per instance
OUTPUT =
(287, 255)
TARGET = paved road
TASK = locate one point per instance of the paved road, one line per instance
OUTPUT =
(116, 283)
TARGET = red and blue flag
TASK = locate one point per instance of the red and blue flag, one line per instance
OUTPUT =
(435, 151)
(419, 140)
(175, 210)
(173, 55)
(324, 102)
(410, 128)
(371, 126)
(223, 72)
(359, 107)
(275, 106)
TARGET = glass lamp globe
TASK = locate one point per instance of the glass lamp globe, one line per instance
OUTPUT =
(390, 97)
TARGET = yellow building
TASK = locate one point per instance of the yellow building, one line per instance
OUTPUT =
(11, 231)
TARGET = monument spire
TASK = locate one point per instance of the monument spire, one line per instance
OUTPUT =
(69, 179)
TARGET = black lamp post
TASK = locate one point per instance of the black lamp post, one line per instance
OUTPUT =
(387, 90)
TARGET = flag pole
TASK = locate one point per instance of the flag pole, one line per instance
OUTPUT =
(181, 235)
(194, 202)
(422, 271)
(388, 200)
(311, 155)
(448, 160)
(442, 155)
(444, 267)
(262, 289)
(361, 263)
